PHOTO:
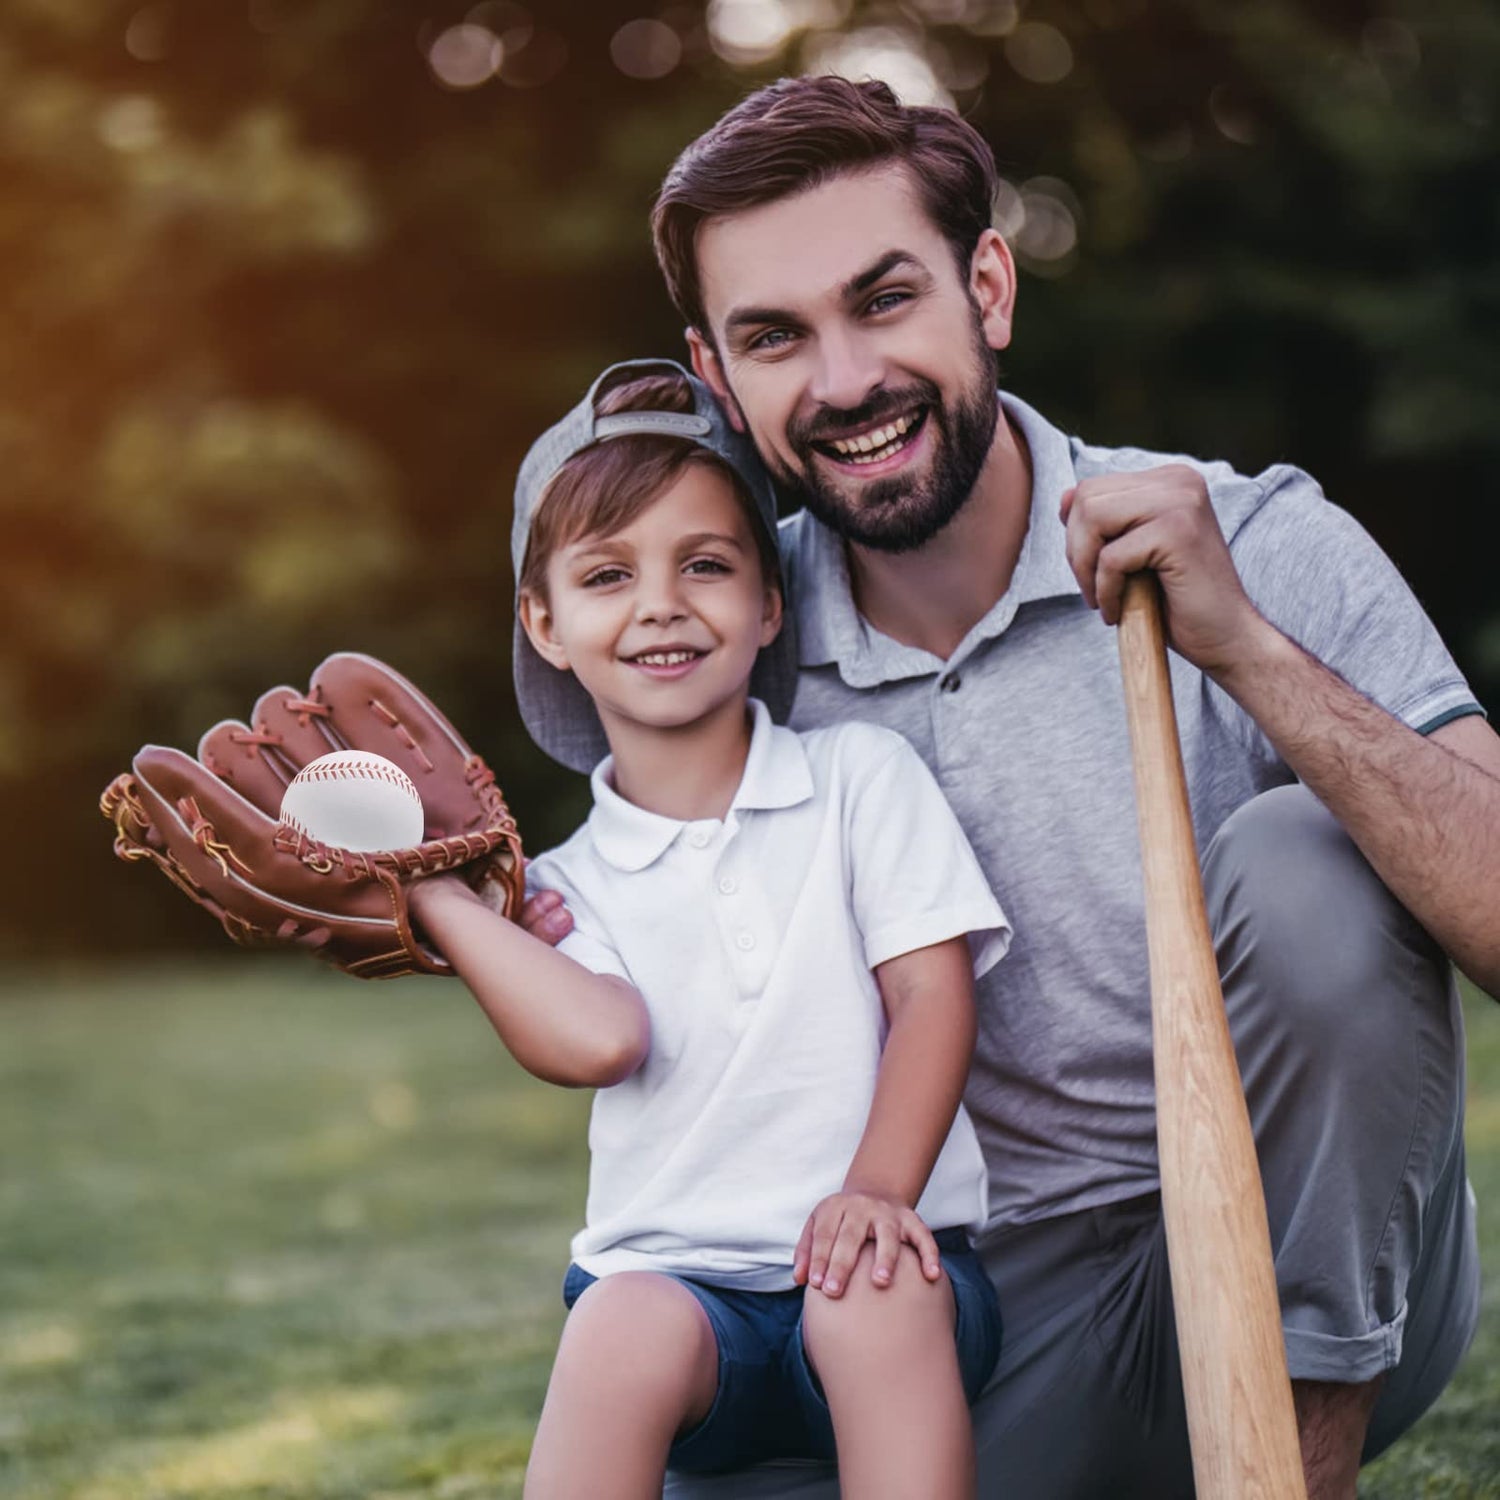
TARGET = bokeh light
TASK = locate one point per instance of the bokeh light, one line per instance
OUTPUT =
(131, 123)
(1007, 213)
(749, 31)
(509, 21)
(645, 49)
(881, 52)
(994, 18)
(960, 68)
(949, 12)
(148, 34)
(1231, 115)
(465, 56)
(1039, 219)
(1039, 53)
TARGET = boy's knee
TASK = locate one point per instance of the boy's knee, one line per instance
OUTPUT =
(640, 1324)
(869, 1321)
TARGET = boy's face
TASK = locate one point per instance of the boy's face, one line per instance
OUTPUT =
(662, 620)
(844, 338)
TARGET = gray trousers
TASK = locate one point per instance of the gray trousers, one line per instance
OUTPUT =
(1347, 1025)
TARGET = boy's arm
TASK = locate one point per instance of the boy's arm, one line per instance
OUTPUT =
(929, 1004)
(560, 1021)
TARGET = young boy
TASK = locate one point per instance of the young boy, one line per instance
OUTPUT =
(768, 980)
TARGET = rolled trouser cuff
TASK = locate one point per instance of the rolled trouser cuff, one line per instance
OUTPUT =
(1347, 1360)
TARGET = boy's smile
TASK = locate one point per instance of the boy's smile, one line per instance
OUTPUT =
(661, 621)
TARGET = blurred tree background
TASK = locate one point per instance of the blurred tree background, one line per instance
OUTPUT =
(288, 286)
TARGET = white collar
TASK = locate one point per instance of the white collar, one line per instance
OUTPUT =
(777, 774)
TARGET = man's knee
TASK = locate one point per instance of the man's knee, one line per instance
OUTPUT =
(1303, 923)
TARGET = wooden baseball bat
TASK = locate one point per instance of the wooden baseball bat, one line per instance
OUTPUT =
(1241, 1422)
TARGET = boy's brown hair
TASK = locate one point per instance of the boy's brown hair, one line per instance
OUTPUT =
(798, 133)
(604, 487)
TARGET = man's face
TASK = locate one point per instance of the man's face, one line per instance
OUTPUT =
(860, 360)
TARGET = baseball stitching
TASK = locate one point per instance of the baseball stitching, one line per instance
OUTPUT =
(341, 770)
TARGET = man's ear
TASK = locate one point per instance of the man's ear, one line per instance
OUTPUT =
(710, 371)
(992, 284)
(538, 623)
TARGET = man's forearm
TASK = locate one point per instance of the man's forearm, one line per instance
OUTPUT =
(1428, 820)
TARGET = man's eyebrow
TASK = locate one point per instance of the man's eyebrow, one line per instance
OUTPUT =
(756, 317)
(759, 317)
(890, 261)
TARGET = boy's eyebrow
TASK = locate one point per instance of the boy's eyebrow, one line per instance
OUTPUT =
(586, 546)
(611, 546)
(861, 281)
(698, 538)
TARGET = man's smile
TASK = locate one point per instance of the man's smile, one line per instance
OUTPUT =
(880, 448)
(877, 442)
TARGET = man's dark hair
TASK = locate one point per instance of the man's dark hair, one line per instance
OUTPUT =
(798, 133)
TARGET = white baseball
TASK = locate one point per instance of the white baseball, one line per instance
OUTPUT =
(353, 799)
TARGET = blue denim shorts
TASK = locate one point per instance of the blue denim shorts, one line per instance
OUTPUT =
(769, 1403)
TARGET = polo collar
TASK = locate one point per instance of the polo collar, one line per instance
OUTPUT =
(1042, 570)
(830, 628)
(777, 774)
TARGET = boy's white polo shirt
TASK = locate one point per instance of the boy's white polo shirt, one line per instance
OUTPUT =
(752, 941)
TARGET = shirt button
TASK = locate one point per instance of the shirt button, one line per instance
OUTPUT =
(728, 885)
(744, 942)
(951, 683)
(698, 838)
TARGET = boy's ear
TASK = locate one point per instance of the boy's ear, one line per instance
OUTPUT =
(770, 620)
(538, 623)
(708, 369)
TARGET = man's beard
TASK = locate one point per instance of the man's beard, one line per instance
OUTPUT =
(903, 512)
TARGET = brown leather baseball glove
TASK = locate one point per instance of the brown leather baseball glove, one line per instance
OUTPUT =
(212, 825)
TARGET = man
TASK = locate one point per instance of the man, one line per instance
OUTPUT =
(954, 573)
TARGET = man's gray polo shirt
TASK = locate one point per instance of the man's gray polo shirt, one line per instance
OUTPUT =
(1024, 727)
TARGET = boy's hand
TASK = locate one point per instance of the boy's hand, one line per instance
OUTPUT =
(544, 916)
(837, 1229)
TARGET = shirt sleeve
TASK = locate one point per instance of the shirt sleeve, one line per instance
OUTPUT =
(589, 942)
(913, 876)
(1320, 577)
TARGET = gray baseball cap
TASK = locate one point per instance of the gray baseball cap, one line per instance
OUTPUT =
(558, 714)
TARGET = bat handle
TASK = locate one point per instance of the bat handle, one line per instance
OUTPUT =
(1241, 1421)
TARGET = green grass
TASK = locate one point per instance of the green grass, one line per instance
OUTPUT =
(265, 1231)
(269, 1233)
